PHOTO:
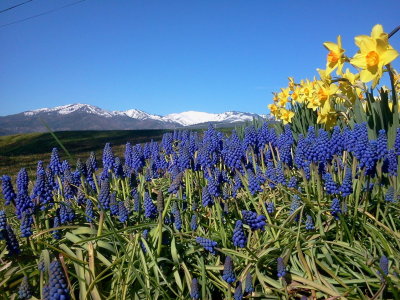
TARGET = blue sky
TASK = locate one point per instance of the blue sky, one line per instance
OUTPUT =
(172, 56)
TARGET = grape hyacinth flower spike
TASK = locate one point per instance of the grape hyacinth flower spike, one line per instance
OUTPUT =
(194, 289)
(24, 289)
(238, 295)
(207, 244)
(11, 241)
(228, 274)
(281, 269)
(248, 288)
(150, 210)
(193, 222)
(8, 190)
(309, 223)
(253, 220)
(239, 237)
(384, 267)
(58, 288)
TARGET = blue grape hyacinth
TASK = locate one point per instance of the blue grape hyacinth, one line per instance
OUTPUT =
(336, 208)
(390, 194)
(281, 268)
(104, 195)
(58, 288)
(55, 164)
(11, 241)
(206, 198)
(56, 233)
(239, 237)
(193, 222)
(296, 203)
(136, 201)
(248, 288)
(177, 216)
(194, 289)
(3, 220)
(207, 244)
(238, 295)
(253, 220)
(254, 183)
(89, 211)
(24, 291)
(347, 185)
(228, 274)
(309, 223)
(122, 212)
(145, 235)
(330, 186)
(26, 224)
(113, 204)
(150, 210)
(384, 265)
(270, 207)
(22, 181)
(8, 190)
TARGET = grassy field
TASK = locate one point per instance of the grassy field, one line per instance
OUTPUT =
(24, 150)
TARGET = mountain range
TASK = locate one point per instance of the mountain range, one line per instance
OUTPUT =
(90, 117)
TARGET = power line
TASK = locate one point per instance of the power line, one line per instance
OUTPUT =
(7, 9)
(43, 13)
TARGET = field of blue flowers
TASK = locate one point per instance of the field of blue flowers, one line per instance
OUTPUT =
(270, 215)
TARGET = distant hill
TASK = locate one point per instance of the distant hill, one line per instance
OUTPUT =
(73, 141)
(88, 117)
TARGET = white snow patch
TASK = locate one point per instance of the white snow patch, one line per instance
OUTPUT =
(184, 118)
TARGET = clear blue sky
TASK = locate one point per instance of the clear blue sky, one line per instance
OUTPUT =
(172, 56)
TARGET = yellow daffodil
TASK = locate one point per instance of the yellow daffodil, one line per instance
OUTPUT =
(335, 58)
(396, 78)
(295, 94)
(348, 88)
(274, 109)
(286, 115)
(324, 76)
(375, 52)
(324, 91)
(291, 83)
(351, 77)
(306, 91)
(391, 107)
(283, 96)
(275, 98)
(327, 115)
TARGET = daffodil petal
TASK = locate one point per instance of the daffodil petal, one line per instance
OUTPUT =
(359, 61)
(388, 56)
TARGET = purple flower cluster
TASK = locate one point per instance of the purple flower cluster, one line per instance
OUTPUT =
(253, 220)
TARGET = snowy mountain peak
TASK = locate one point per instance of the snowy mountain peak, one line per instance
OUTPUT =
(70, 108)
(89, 117)
(186, 118)
(139, 114)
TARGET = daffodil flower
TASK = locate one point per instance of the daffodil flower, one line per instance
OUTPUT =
(286, 115)
(274, 109)
(323, 92)
(283, 96)
(327, 115)
(335, 58)
(375, 52)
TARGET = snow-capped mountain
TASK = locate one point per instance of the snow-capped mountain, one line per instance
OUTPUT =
(195, 117)
(90, 117)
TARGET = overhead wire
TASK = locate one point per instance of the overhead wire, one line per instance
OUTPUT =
(15, 6)
(42, 14)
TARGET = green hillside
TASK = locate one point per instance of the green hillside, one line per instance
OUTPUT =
(24, 150)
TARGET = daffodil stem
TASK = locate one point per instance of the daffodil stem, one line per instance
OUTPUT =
(393, 32)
